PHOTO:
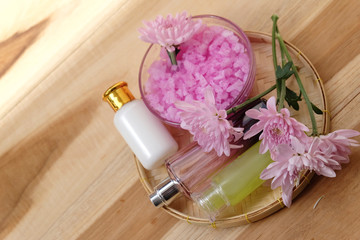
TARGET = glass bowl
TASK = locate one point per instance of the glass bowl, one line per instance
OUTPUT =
(153, 54)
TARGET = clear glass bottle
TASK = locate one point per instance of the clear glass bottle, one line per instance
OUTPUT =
(191, 168)
(147, 137)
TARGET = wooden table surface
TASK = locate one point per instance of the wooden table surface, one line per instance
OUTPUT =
(66, 173)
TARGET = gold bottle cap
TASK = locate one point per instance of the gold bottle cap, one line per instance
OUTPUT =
(118, 95)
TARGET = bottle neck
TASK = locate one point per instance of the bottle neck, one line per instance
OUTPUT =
(165, 192)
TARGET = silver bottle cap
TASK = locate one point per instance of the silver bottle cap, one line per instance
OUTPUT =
(165, 192)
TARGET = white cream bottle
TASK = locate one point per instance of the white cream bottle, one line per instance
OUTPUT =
(147, 137)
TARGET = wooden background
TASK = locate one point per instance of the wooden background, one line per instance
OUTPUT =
(65, 173)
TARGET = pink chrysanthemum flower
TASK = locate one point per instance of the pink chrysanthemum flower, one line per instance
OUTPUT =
(170, 31)
(277, 127)
(322, 154)
(331, 151)
(209, 125)
(339, 143)
(289, 163)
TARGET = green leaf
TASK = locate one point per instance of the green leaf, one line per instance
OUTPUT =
(279, 72)
(316, 109)
(293, 104)
(287, 66)
(292, 99)
(292, 95)
(285, 72)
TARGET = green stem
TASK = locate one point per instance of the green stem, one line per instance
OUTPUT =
(281, 91)
(172, 56)
(283, 58)
(273, 44)
(302, 89)
(250, 100)
(273, 39)
(282, 95)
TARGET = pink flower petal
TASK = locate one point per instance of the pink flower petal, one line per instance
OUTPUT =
(284, 153)
(271, 105)
(326, 171)
(209, 96)
(263, 147)
(255, 129)
(297, 145)
(253, 113)
(347, 133)
(184, 106)
(270, 171)
(287, 191)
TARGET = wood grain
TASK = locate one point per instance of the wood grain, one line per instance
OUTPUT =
(12, 48)
(65, 173)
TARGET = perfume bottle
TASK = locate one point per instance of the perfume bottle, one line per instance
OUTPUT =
(233, 183)
(191, 168)
(147, 137)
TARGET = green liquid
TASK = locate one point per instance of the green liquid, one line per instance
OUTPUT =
(238, 179)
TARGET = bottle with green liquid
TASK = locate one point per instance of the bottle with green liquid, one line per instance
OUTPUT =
(232, 184)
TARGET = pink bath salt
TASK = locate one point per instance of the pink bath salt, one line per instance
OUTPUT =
(213, 57)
